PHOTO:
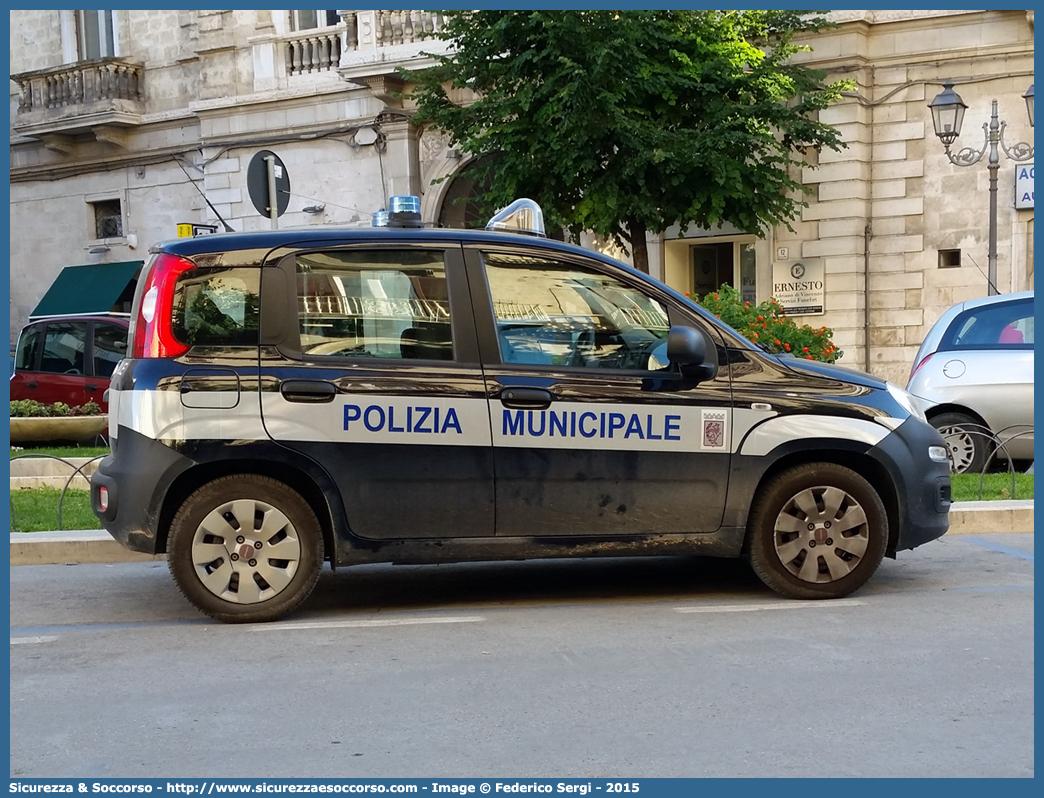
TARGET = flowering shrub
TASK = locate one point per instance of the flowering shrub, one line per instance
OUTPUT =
(28, 408)
(765, 324)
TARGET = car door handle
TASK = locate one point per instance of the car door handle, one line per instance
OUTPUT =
(307, 390)
(31, 385)
(91, 387)
(529, 398)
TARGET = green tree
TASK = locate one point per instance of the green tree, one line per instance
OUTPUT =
(623, 122)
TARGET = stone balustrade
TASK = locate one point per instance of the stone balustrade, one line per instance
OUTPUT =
(316, 50)
(322, 49)
(395, 27)
(80, 84)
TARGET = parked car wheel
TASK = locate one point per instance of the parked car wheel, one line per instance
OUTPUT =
(817, 531)
(968, 441)
(245, 549)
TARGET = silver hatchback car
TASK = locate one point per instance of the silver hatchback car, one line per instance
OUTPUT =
(974, 375)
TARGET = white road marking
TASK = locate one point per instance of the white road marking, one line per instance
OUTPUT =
(275, 627)
(782, 605)
(22, 640)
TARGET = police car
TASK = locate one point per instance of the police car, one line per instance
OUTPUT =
(410, 395)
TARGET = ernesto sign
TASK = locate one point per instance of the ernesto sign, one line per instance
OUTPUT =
(799, 287)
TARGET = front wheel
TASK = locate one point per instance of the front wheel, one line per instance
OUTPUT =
(817, 531)
(245, 549)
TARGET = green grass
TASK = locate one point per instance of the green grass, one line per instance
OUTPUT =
(994, 486)
(62, 451)
(36, 510)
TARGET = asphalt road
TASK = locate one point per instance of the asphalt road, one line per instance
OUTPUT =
(593, 668)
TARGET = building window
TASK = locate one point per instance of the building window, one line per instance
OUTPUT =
(108, 218)
(949, 258)
(95, 35)
(307, 20)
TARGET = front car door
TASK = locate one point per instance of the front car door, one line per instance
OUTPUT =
(594, 432)
(378, 381)
(51, 363)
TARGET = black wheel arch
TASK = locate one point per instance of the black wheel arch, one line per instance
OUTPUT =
(295, 471)
(850, 454)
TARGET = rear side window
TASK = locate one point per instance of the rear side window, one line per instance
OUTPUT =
(216, 307)
(63, 348)
(391, 304)
(997, 327)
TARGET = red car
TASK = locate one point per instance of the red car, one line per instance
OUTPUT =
(68, 359)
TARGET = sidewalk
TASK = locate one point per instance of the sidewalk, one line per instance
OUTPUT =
(95, 546)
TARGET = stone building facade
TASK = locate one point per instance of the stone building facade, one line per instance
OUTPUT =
(125, 124)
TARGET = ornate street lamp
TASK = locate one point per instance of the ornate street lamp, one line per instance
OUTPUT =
(947, 115)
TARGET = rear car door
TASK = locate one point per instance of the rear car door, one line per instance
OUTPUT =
(378, 380)
(108, 347)
(594, 432)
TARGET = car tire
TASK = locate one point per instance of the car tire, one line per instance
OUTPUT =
(967, 441)
(817, 531)
(218, 531)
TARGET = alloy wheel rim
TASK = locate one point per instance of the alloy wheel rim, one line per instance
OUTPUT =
(245, 551)
(821, 534)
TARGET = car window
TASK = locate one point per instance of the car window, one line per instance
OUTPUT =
(553, 313)
(217, 307)
(25, 354)
(1001, 326)
(63, 347)
(110, 346)
(390, 304)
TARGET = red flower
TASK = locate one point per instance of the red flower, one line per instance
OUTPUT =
(787, 347)
(805, 349)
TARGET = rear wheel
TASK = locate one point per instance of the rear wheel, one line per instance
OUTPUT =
(245, 549)
(967, 441)
(817, 531)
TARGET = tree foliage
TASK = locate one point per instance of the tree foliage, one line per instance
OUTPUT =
(622, 122)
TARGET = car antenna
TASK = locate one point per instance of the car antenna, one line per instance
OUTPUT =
(204, 196)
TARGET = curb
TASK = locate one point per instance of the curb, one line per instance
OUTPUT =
(96, 546)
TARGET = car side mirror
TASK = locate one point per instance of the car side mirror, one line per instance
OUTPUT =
(687, 349)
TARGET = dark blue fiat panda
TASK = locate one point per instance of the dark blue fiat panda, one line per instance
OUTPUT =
(410, 395)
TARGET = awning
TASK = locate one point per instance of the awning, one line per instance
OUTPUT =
(90, 289)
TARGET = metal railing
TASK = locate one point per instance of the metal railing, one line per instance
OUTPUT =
(77, 470)
(996, 445)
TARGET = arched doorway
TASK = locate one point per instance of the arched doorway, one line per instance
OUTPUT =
(462, 207)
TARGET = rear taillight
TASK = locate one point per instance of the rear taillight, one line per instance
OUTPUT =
(153, 329)
(103, 499)
(918, 366)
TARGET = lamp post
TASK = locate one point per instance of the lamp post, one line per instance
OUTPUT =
(947, 115)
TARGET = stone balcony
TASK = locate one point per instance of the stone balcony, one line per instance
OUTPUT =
(363, 45)
(99, 97)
